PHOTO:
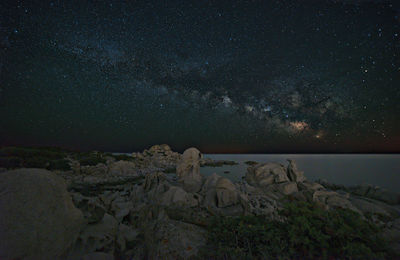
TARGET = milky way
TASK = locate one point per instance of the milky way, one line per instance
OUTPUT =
(234, 76)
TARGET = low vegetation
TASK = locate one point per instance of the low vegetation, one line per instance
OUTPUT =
(219, 163)
(251, 163)
(51, 158)
(307, 232)
(32, 157)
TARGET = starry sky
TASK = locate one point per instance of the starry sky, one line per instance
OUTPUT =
(223, 76)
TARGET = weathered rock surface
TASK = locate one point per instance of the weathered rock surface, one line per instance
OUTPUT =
(377, 193)
(188, 170)
(171, 239)
(176, 195)
(160, 156)
(293, 173)
(222, 197)
(306, 185)
(99, 169)
(37, 217)
(366, 190)
(333, 199)
(261, 175)
(92, 209)
(227, 194)
(123, 168)
(96, 237)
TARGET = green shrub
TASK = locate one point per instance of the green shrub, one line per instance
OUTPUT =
(251, 163)
(122, 157)
(31, 152)
(35, 162)
(170, 170)
(10, 162)
(61, 164)
(92, 160)
(308, 232)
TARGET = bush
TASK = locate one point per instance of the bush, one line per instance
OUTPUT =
(35, 162)
(30, 152)
(92, 160)
(122, 157)
(308, 232)
(251, 163)
(10, 162)
(170, 170)
(62, 165)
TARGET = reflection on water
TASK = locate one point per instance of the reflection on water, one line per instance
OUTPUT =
(348, 169)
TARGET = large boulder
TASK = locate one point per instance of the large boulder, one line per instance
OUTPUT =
(188, 170)
(178, 196)
(331, 200)
(227, 194)
(262, 175)
(222, 197)
(377, 193)
(293, 173)
(123, 168)
(95, 237)
(311, 186)
(160, 156)
(91, 207)
(37, 217)
(155, 185)
(170, 239)
(210, 183)
(97, 170)
(366, 206)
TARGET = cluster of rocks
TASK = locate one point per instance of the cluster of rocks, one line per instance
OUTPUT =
(142, 213)
(366, 190)
(159, 156)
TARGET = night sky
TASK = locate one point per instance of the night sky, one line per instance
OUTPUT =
(223, 76)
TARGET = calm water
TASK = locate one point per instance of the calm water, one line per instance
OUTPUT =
(347, 169)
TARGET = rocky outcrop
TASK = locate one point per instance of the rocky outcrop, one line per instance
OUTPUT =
(159, 156)
(91, 207)
(188, 170)
(122, 168)
(100, 236)
(331, 199)
(37, 217)
(223, 197)
(99, 169)
(136, 210)
(178, 196)
(262, 175)
(377, 193)
(366, 190)
(293, 173)
(170, 239)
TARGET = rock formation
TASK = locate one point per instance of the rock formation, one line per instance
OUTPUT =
(261, 175)
(133, 209)
(37, 217)
(188, 170)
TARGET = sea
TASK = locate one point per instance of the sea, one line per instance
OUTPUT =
(347, 169)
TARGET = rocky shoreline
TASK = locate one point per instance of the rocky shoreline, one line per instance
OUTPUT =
(157, 204)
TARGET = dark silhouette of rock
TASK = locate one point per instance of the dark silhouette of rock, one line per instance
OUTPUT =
(37, 217)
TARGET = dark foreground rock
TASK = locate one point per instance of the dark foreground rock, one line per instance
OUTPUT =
(37, 217)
